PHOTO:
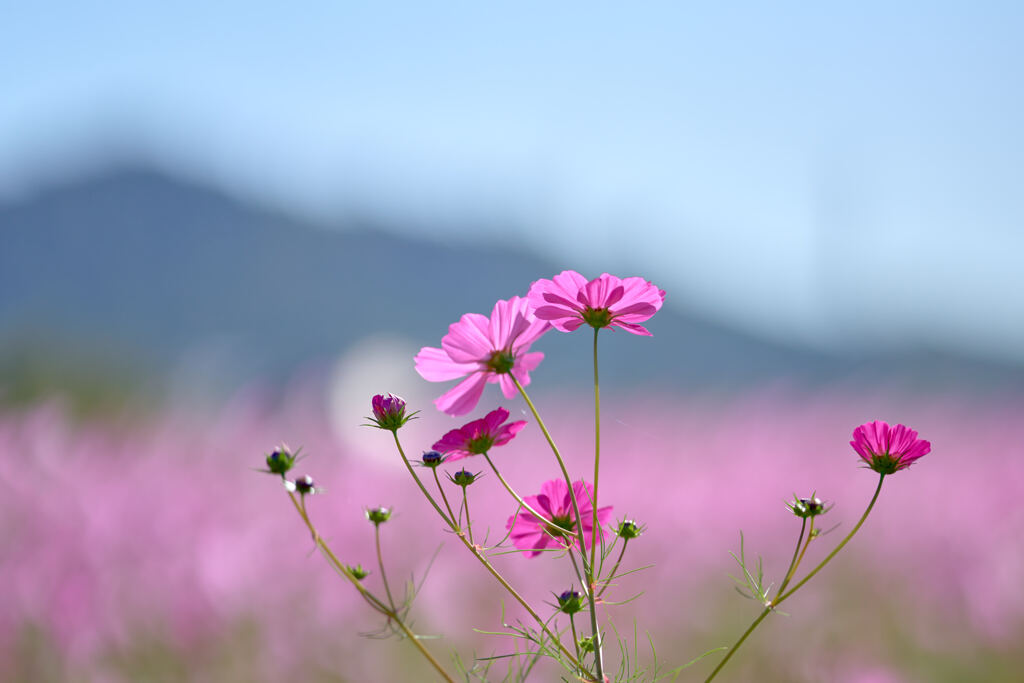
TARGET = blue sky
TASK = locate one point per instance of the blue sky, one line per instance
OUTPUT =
(846, 175)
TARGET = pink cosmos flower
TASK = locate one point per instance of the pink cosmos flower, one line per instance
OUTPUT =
(569, 301)
(531, 535)
(479, 436)
(888, 449)
(486, 349)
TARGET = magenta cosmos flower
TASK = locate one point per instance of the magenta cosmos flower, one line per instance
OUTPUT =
(568, 300)
(486, 349)
(888, 449)
(531, 535)
(479, 436)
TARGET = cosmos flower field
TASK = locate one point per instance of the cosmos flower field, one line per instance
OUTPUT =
(149, 550)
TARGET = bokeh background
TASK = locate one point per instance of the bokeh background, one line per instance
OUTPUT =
(227, 225)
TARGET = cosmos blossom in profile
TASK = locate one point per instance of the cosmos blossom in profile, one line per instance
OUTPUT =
(569, 301)
(483, 350)
(888, 449)
(479, 436)
(532, 536)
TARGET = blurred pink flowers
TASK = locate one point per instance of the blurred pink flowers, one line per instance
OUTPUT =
(888, 449)
(486, 349)
(479, 436)
(569, 301)
(532, 536)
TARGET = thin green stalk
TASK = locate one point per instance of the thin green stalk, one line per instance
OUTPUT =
(380, 563)
(575, 638)
(783, 596)
(587, 570)
(839, 547)
(469, 522)
(488, 566)
(391, 613)
(419, 483)
(732, 650)
(441, 490)
(561, 465)
(597, 451)
(615, 568)
(793, 563)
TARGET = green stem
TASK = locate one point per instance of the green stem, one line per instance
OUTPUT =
(587, 570)
(469, 523)
(732, 650)
(375, 602)
(488, 566)
(419, 483)
(778, 601)
(597, 451)
(839, 547)
(380, 563)
(796, 554)
(575, 638)
(441, 490)
(615, 568)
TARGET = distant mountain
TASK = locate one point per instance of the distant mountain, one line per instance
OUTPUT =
(153, 267)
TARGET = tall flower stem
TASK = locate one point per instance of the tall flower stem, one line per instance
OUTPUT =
(597, 451)
(469, 522)
(587, 568)
(797, 555)
(390, 613)
(573, 661)
(839, 547)
(450, 522)
(778, 601)
(380, 563)
(615, 568)
(444, 498)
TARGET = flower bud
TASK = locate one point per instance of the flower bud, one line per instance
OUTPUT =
(388, 412)
(628, 529)
(280, 460)
(586, 644)
(432, 459)
(304, 485)
(807, 507)
(570, 602)
(464, 478)
(378, 515)
(357, 571)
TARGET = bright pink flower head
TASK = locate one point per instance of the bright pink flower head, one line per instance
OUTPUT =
(888, 449)
(486, 349)
(569, 301)
(479, 436)
(531, 535)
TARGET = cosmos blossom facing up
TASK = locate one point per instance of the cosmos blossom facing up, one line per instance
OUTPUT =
(532, 536)
(888, 449)
(569, 300)
(486, 349)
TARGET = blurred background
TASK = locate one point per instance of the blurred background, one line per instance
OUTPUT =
(223, 226)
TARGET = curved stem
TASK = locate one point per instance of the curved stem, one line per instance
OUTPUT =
(587, 569)
(797, 555)
(839, 547)
(469, 522)
(732, 650)
(443, 497)
(367, 595)
(597, 452)
(490, 568)
(615, 568)
(778, 601)
(419, 483)
(380, 563)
